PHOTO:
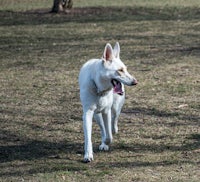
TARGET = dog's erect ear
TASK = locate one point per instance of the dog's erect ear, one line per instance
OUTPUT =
(116, 50)
(108, 53)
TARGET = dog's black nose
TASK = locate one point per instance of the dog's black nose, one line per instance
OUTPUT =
(135, 82)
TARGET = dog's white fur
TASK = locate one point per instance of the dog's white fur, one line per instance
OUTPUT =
(99, 80)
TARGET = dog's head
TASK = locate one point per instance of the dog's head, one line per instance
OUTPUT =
(116, 70)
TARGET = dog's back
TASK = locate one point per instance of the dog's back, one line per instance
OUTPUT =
(86, 72)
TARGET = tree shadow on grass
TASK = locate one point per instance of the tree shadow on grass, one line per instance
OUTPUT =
(18, 170)
(27, 157)
(98, 14)
(188, 150)
(21, 156)
(37, 149)
(190, 119)
(193, 143)
(137, 164)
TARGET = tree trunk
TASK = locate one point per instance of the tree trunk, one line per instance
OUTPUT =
(61, 5)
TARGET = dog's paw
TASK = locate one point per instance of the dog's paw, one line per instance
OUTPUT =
(104, 147)
(115, 130)
(88, 158)
(108, 140)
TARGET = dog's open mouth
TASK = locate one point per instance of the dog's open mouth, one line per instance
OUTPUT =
(117, 87)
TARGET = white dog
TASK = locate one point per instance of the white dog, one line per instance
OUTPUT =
(102, 95)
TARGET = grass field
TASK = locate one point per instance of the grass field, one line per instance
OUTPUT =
(41, 137)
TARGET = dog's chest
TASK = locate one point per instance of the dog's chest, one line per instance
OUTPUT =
(104, 102)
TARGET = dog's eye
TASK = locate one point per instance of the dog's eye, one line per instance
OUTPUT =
(121, 70)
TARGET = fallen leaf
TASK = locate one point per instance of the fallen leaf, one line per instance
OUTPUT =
(183, 105)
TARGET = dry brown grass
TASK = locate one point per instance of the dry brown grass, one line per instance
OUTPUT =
(41, 137)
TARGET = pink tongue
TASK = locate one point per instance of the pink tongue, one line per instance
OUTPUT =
(118, 88)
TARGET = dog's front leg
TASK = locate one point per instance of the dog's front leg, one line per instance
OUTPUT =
(99, 119)
(108, 126)
(87, 126)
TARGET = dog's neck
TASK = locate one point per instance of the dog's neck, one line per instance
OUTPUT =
(101, 92)
(101, 84)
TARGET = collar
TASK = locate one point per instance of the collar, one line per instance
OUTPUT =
(101, 93)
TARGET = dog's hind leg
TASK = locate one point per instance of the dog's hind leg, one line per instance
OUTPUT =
(115, 117)
(87, 126)
(116, 110)
(99, 119)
